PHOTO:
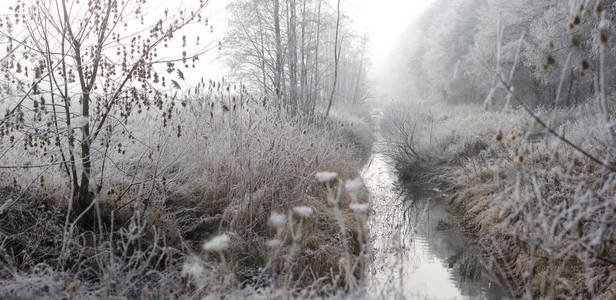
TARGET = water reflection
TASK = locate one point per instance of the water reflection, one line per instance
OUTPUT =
(417, 250)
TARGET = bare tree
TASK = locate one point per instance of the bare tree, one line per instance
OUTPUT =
(90, 58)
(336, 59)
(278, 72)
(292, 49)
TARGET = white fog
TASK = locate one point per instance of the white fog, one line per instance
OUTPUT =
(307, 149)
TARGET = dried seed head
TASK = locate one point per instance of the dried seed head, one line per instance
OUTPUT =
(604, 38)
(277, 220)
(499, 136)
(551, 60)
(303, 211)
(585, 65)
(353, 186)
(326, 176)
(275, 243)
(359, 208)
(218, 243)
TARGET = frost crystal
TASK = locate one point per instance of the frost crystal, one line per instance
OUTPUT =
(359, 208)
(326, 176)
(277, 220)
(303, 211)
(275, 243)
(218, 243)
(353, 186)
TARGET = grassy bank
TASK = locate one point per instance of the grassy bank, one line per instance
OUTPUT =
(540, 212)
(217, 197)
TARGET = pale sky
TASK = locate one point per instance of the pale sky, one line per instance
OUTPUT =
(382, 20)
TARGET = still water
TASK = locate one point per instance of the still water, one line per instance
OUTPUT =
(417, 250)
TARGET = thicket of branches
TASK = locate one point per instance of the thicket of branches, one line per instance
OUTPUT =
(75, 73)
(300, 54)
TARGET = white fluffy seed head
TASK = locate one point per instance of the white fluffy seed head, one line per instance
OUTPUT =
(277, 220)
(326, 176)
(359, 208)
(217, 244)
(193, 267)
(275, 243)
(303, 211)
(353, 186)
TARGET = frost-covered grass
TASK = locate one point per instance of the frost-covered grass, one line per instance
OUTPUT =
(184, 210)
(542, 213)
(423, 139)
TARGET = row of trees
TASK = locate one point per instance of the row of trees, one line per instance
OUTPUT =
(454, 55)
(299, 53)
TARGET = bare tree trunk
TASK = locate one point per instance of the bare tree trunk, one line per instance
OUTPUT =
(278, 75)
(292, 56)
(336, 59)
(262, 54)
(315, 93)
(304, 69)
(360, 72)
(86, 85)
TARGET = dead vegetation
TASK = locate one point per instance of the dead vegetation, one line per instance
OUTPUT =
(225, 174)
(540, 212)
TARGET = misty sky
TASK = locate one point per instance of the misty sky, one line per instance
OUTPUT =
(383, 20)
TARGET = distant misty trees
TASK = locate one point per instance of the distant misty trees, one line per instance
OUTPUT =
(451, 53)
(299, 54)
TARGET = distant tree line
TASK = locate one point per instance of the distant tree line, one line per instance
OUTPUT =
(451, 53)
(301, 55)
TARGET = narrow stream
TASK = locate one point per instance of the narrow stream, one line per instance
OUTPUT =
(418, 250)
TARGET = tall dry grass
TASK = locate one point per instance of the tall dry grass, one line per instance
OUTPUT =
(218, 163)
(540, 212)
